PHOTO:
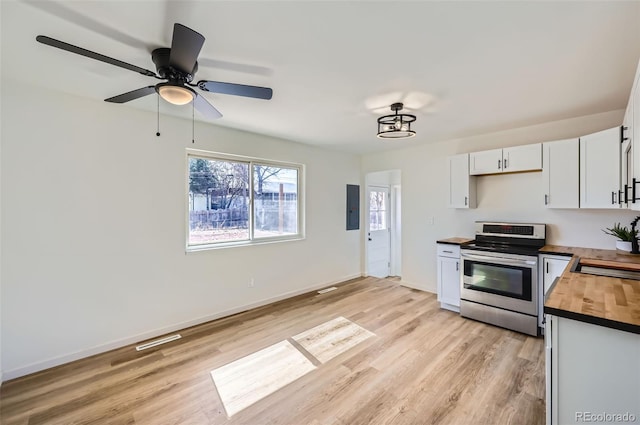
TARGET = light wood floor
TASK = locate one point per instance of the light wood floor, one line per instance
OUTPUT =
(424, 366)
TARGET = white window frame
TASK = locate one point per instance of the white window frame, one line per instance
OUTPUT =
(250, 161)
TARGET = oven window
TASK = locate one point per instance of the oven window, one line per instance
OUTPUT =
(510, 281)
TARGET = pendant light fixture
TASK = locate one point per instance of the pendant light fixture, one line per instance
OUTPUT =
(396, 126)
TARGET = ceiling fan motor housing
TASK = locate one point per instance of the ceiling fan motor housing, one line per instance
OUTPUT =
(161, 57)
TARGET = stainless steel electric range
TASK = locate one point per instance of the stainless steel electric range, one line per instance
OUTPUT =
(499, 275)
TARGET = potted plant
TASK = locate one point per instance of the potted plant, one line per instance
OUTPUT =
(624, 235)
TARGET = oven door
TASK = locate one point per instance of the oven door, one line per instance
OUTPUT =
(507, 281)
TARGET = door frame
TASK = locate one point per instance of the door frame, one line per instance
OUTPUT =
(390, 179)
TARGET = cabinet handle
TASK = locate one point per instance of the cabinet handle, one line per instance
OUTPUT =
(499, 162)
(622, 130)
(633, 190)
(626, 194)
(457, 266)
(613, 197)
(547, 264)
(620, 197)
(504, 166)
(448, 252)
(546, 199)
(465, 201)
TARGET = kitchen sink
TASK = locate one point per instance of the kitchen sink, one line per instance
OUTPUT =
(608, 269)
(603, 271)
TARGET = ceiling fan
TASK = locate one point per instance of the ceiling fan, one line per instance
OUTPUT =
(177, 65)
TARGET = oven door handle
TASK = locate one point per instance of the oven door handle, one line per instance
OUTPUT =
(499, 260)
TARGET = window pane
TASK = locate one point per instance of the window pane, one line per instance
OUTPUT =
(377, 210)
(218, 201)
(275, 201)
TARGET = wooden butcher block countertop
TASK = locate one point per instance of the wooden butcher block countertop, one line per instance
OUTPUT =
(605, 301)
(455, 241)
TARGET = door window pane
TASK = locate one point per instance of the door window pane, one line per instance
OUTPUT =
(377, 210)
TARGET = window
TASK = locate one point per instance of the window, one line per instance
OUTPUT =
(378, 209)
(236, 200)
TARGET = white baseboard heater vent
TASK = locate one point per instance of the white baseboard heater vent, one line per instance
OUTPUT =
(158, 342)
(324, 291)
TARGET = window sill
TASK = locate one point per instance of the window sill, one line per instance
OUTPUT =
(236, 244)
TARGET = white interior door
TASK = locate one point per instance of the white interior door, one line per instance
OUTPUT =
(379, 239)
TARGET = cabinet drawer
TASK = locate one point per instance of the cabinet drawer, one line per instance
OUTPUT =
(447, 250)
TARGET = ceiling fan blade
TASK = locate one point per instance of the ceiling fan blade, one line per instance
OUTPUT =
(93, 55)
(185, 48)
(205, 108)
(236, 89)
(132, 95)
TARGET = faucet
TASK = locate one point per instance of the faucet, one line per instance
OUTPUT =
(634, 241)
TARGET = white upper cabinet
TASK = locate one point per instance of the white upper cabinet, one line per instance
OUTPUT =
(486, 162)
(522, 158)
(507, 160)
(560, 173)
(462, 187)
(626, 159)
(633, 132)
(600, 169)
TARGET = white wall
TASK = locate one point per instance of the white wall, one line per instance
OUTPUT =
(511, 197)
(93, 228)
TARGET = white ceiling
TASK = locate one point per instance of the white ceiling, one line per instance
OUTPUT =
(464, 68)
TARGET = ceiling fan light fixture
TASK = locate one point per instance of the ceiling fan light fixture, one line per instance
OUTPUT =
(175, 94)
(396, 126)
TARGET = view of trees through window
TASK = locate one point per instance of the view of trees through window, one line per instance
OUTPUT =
(377, 210)
(219, 200)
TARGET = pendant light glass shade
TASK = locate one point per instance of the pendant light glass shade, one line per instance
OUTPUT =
(396, 126)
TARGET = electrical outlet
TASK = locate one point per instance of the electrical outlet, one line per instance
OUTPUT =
(251, 283)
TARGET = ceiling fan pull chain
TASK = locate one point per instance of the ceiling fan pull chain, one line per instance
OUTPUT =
(193, 120)
(158, 115)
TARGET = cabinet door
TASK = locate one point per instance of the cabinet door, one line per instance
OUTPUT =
(600, 169)
(462, 187)
(561, 174)
(593, 369)
(552, 268)
(626, 161)
(449, 281)
(548, 370)
(485, 162)
(522, 158)
(634, 134)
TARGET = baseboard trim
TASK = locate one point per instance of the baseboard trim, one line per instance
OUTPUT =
(135, 339)
(414, 286)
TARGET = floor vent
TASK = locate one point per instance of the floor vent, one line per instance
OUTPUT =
(324, 291)
(158, 342)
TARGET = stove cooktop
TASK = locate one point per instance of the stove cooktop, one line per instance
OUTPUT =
(508, 238)
(503, 248)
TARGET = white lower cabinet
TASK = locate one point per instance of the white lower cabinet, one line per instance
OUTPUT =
(550, 267)
(592, 373)
(449, 276)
